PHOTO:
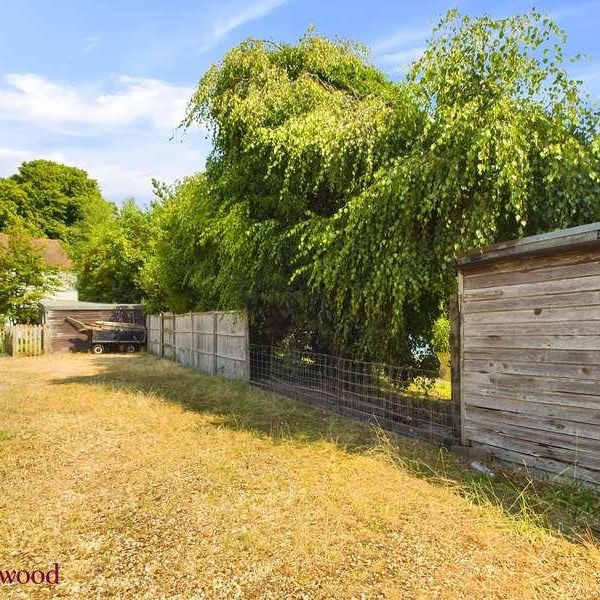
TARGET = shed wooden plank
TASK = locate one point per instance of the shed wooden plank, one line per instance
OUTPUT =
(554, 468)
(558, 328)
(548, 243)
(564, 432)
(533, 263)
(541, 301)
(589, 372)
(551, 356)
(522, 290)
(589, 266)
(542, 342)
(536, 448)
(535, 384)
(539, 316)
(543, 408)
(587, 401)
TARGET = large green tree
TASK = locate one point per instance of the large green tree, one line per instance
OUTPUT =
(509, 148)
(51, 200)
(25, 278)
(109, 258)
(335, 200)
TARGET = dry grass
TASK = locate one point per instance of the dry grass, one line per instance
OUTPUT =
(144, 480)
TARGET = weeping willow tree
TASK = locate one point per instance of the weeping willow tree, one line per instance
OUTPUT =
(335, 200)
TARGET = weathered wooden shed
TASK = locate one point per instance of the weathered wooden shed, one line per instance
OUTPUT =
(529, 348)
(65, 338)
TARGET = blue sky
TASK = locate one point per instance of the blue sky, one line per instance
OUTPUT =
(103, 84)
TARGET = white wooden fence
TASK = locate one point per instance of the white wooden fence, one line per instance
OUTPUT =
(25, 340)
(212, 342)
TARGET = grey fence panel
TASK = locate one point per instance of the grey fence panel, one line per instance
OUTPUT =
(211, 342)
(231, 338)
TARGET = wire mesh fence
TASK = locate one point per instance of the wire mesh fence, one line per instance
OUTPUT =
(398, 399)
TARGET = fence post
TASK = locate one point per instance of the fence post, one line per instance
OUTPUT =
(174, 320)
(248, 375)
(15, 340)
(339, 391)
(161, 335)
(455, 363)
(47, 339)
(214, 367)
(191, 348)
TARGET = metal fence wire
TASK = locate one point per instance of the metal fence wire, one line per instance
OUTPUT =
(398, 399)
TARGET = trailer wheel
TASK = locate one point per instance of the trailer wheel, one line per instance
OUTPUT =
(98, 349)
(130, 348)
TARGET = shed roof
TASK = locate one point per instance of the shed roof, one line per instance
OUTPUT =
(78, 305)
(562, 240)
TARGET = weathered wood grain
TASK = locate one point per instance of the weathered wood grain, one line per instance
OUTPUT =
(589, 372)
(546, 407)
(536, 355)
(541, 446)
(582, 238)
(532, 263)
(551, 272)
(523, 290)
(541, 301)
(533, 383)
(587, 401)
(555, 430)
(530, 358)
(555, 328)
(541, 342)
(534, 316)
(554, 469)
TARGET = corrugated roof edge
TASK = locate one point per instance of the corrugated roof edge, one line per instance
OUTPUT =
(79, 305)
(545, 243)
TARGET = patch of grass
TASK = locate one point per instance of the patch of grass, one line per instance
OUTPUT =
(5, 435)
(438, 388)
(167, 483)
(530, 504)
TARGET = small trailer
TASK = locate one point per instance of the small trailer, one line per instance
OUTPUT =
(106, 336)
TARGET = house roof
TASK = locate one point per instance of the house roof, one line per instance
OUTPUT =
(51, 251)
(79, 305)
(562, 240)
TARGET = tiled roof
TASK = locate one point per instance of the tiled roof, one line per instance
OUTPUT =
(51, 250)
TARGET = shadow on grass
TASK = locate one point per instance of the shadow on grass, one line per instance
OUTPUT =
(532, 504)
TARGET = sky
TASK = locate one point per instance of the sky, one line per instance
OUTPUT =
(102, 85)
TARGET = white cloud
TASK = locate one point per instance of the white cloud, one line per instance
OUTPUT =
(226, 19)
(400, 61)
(241, 16)
(395, 52)
(401, 38)
(119, 132)
(80, 110)
(11, 154)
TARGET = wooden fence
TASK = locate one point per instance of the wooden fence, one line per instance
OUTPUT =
(211, 342)
(25, 340)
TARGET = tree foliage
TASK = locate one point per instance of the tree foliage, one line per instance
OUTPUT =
(334, 199)
(25, 278)
(51, 200)
(109, 258)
